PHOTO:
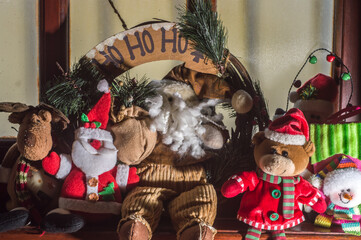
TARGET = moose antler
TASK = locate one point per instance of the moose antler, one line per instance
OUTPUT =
(13, 107)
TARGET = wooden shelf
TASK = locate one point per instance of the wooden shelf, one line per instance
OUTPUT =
(227, 225)
(227, 229)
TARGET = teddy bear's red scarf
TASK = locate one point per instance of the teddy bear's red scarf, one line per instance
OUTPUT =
(288, 189)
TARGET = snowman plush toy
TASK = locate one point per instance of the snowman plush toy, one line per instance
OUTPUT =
(341, 186)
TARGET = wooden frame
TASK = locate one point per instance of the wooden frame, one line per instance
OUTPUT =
(347, 45)
(54, 40)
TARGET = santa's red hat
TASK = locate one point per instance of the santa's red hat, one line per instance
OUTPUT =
(98, 116)
(317, 94)
(291, 128)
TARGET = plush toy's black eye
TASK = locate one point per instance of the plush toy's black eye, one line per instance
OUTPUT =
(284, 153)
(342, 190)
(348, 190)
(170, 99)
(273, 151)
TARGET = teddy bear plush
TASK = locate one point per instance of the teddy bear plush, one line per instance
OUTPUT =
(340, 183)
(169, 142)
(93, 181)
(272, 193)
(32, 193)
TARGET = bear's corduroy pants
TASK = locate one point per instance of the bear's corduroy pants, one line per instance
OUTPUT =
(182, 191)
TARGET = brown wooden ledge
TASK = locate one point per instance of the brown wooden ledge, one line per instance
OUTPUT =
(228, 229)
(227, 225)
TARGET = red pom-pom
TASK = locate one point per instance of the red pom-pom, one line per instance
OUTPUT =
(51, 163)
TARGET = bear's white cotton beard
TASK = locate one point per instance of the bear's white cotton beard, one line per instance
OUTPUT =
(179, 124)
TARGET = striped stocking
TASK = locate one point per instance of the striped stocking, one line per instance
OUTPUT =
(278, 235)
(253, 233)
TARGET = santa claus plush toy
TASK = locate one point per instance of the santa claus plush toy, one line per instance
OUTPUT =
(316, 98)
(93, 180)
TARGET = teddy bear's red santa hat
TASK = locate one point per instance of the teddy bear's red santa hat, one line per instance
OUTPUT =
(291, 129)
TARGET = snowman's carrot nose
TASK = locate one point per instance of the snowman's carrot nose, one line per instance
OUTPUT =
(347, 196)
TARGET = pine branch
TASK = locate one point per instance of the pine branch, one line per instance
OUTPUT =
(206, 31)
(75, 92)
(127, 91)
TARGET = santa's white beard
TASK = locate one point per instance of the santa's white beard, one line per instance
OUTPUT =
(91, 161)
(180, 125)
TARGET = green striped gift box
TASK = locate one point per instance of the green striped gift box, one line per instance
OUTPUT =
(330, 139)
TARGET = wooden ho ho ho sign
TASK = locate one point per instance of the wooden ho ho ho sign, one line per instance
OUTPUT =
(147, 43)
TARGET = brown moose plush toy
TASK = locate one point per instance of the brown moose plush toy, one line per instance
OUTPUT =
(272, 193)
(30, 190)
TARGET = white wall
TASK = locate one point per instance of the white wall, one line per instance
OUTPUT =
(18, 56)
(272, 38)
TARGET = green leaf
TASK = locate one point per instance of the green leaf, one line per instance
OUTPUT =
(84, 118)
(97, 124)
(108, 192)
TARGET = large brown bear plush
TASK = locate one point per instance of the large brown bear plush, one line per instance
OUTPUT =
(272, 193)
(31, 191)
(169, 143)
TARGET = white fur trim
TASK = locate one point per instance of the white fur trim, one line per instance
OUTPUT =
(4, 174)
(90, 189)
(316, 105)
(294, 96)
(122, 176)
(65, 166)
(285, 138)
(307, 208)
(19, 208)
(290, 223)
(306, 174)
(59, 210)
(103, 86)
(90, 207)
(315, 181)
(93, 133)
